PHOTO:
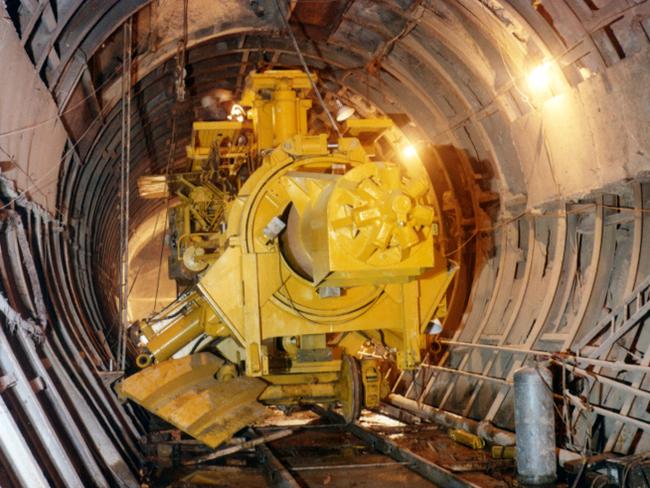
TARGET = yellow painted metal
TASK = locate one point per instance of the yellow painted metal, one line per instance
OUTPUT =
(303, 378)
(466, 438)
(185, 393)
(371, 379)
(373, 126)
(315, 367)
(376, 226)
(326, 250)
(208, 135)
(282, 115)
(187, 328)
(503, 452)
(300, 393)
(286, 299)
(190, 317)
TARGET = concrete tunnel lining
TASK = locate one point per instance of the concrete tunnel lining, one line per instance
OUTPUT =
(537, 191)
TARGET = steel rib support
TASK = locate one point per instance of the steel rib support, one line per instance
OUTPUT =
(506, 268)
(521, 295)
(93, 424)
(14, 448)
(62, 411)
(543, 313)
(40, 423)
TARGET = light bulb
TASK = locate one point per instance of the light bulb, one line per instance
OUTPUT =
(409, 151)
(343, 112)
(539, 78)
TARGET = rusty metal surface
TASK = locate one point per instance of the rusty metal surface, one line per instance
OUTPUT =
(453, 73)
(316, 454)
(66, 423)
(585, 254)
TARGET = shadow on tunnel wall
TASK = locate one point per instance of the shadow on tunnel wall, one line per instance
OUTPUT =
(468, 206)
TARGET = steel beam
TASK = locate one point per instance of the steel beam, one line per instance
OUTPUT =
(429, 470)
(555, 356)
(14, 448)
(277, 475)
(39, 421)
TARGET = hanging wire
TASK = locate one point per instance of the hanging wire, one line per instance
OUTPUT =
(181, 57)
(69, 109)
(305, 68)
(170, 157)
(181, 60)
(125, 160)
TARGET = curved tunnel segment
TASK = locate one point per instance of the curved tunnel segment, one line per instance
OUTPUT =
(531, 119)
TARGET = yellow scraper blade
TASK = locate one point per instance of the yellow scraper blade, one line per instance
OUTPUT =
(185, 393)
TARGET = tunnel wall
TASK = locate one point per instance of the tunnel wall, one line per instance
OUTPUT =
(589, 137)
(60, 423)
(32, 137)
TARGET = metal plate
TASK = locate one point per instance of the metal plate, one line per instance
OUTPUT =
(185, 393)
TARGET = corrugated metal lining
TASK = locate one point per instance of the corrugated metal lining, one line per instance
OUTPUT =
(453, 73)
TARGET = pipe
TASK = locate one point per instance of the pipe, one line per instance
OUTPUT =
(239, 447)
(607, 413)
(484, 429)
(555, 356)
(460, 372)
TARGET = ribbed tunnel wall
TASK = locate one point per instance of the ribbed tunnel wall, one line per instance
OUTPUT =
(539, 191)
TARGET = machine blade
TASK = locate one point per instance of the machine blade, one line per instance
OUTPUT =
(186, 393)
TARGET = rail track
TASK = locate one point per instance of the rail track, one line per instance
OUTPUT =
(375, 451)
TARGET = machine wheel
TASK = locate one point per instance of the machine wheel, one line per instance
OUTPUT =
(350, 388)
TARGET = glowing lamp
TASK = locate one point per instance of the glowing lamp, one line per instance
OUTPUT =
(539, 78)
(343, 112)
(237, 113)
(409, 151)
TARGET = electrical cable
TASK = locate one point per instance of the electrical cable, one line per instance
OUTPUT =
(170, 156)
(94, 91)
(306, 70)
(125, 166)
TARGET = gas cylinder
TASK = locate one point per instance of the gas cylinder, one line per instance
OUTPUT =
(535, 426)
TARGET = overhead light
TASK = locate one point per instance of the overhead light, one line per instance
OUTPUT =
(434, 327)
(237, 113)
(409, 151)
(539, 78)
(343, 112)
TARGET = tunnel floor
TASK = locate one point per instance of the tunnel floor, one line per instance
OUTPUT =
(320, 451)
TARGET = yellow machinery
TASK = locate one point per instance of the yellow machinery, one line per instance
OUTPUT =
(217, 159)
(323, 254)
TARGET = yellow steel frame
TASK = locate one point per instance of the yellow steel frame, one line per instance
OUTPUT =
(366, 231)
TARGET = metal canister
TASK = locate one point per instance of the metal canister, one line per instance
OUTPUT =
(535, 426)
(466, 438)
(502, 452)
